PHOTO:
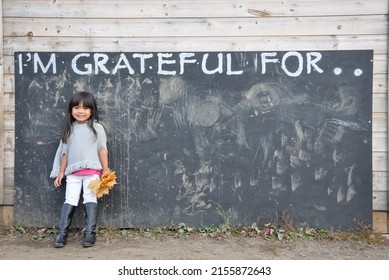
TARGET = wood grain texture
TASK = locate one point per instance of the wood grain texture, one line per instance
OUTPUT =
(190, 9)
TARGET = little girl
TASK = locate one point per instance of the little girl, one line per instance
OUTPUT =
(82, 156)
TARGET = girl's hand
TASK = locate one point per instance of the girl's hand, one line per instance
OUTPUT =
(58, 181)
(61, 174)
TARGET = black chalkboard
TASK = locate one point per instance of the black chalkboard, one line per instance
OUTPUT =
(201, 137)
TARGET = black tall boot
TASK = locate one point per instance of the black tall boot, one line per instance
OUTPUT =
(67, 213)
(90, 224)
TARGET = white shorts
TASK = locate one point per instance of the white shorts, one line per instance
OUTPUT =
(74, 185)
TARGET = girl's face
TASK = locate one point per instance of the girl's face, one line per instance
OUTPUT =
(81, 113)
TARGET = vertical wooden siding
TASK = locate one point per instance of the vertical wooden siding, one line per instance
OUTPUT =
(2, 134)
(223, 25)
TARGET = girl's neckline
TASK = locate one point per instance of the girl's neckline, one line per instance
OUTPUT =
(85, 122)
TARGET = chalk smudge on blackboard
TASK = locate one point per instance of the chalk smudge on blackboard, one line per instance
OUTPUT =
(251, 133)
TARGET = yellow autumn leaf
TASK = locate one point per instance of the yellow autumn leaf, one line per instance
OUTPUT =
(101, 186)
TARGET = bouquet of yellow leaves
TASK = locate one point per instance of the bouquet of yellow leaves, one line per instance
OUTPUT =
(101, 186)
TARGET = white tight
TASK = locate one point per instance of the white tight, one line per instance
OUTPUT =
(74, 185)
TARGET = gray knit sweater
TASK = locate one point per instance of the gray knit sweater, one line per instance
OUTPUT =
(82, 149)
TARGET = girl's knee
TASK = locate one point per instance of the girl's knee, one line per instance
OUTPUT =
(72, 200)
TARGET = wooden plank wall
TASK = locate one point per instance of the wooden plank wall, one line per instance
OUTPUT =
(2, 138)
(204, 25)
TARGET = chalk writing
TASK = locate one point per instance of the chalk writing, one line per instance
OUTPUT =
(87, 64)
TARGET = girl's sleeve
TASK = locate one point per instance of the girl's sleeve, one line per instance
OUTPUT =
(61, 150)
(101, 137)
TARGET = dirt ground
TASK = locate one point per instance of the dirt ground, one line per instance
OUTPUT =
(116, 246)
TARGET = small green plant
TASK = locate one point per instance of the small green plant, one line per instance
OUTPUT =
(39, 235)
(180, 230)
(225, 226)
(19, 229)
(209, 230)
(127, 233)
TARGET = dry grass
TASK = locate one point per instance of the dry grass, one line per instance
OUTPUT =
(285, 231)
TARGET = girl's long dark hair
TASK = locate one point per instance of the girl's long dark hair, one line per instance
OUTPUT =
(89, 101)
